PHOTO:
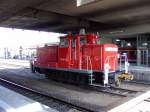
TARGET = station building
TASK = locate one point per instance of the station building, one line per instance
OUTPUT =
(137, 47)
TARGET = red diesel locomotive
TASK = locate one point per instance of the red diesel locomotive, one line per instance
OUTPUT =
(80, 59)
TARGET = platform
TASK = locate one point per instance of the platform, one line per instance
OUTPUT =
(16, 62)
(11, 101)
(138, 104)
(140, 73)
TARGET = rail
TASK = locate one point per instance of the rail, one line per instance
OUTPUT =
(122, 92)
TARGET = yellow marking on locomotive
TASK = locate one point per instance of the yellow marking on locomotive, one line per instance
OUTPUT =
(126, 76)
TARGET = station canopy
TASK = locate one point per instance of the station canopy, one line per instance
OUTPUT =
(71, 15)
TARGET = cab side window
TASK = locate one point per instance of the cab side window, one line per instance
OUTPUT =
(64, 42)
(73, 42)
(83, 41)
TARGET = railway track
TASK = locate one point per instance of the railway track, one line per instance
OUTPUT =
(139, 82)
(48, 100)
(54, 103)
(115, 91)
(110, 90)
(42, 97)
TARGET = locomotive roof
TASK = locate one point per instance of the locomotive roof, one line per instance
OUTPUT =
(77, 35)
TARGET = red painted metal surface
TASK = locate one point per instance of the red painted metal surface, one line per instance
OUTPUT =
(78, 52)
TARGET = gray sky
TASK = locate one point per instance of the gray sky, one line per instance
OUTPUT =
(13, 38)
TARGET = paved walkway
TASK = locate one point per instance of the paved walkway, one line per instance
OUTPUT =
(138, 104)
(11, 101)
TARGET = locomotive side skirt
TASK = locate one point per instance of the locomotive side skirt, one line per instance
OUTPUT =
(74, 76)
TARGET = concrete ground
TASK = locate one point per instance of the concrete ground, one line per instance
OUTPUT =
(72, 94)
(11, 101)
(23, 63)
(138, 104)
(77, 95)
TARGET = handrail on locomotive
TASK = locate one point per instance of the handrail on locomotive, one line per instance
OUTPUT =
(123, 66)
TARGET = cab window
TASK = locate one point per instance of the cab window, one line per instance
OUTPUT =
(73, 42)
(83, 41)
(64, 42)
